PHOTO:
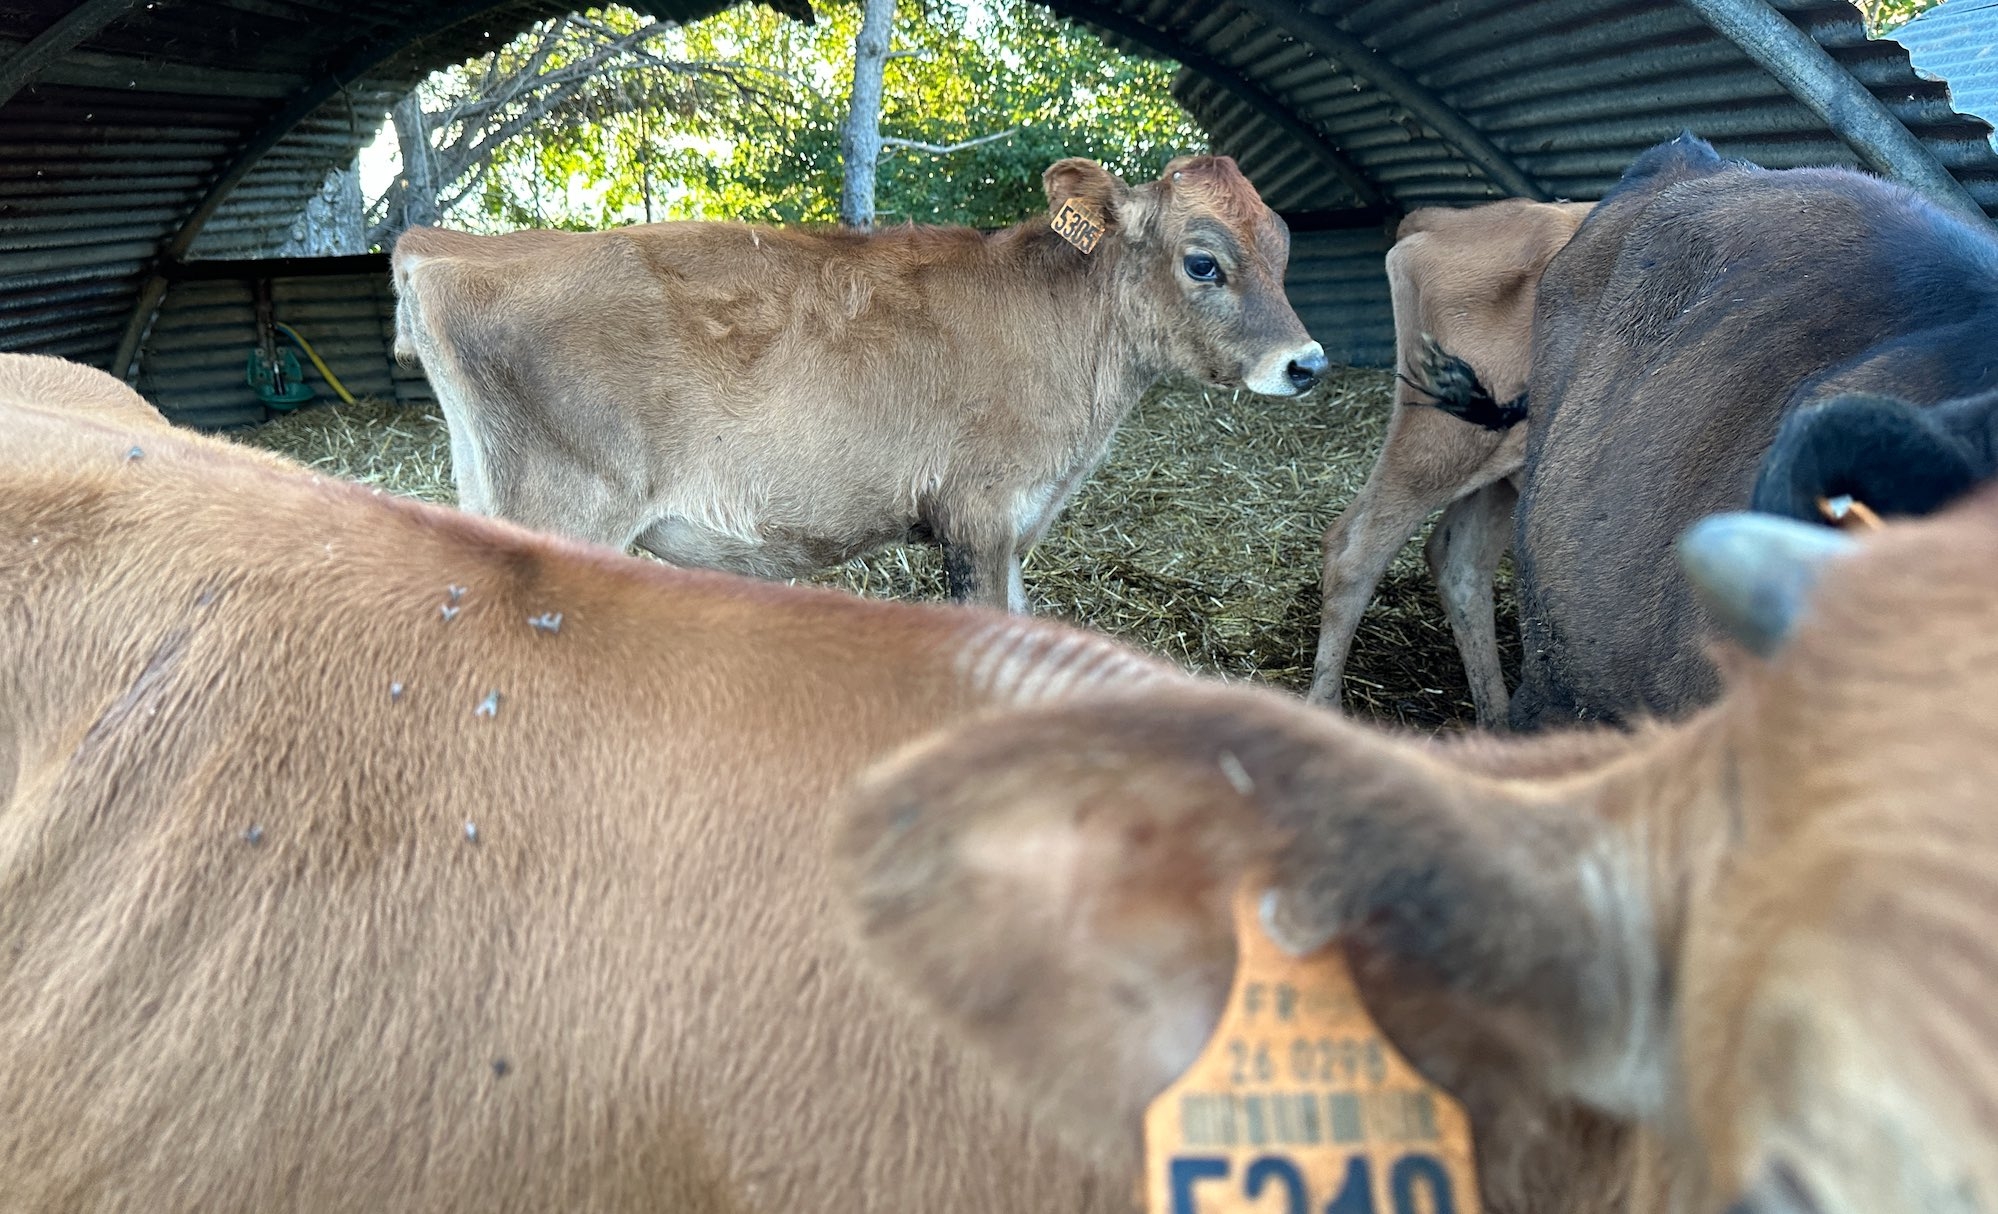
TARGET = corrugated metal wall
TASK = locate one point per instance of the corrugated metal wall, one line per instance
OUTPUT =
(259, 213)
(108, 147)
(195, 360)
(1338, 284)
(1569, 90)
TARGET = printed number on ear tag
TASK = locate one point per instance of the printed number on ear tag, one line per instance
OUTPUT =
(1079, 223)
(1299, 1105)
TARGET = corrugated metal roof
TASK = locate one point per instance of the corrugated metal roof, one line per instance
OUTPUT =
(1957, 42)
(1569, 91)
(108, 147)
(258, 213)
(135, 134)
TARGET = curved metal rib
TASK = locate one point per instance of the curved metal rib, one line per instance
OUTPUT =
(1324, 35)
(76, 26)
(1308, 137)
(1853, 113)
(344, 71)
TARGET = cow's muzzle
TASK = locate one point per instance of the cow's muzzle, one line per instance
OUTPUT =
(1305, 369)
(1289, 372)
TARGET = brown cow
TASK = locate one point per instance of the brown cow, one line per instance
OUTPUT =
(1462, 281)
(1751, 956)
(56, 383)
(357, 854)
(774, 401)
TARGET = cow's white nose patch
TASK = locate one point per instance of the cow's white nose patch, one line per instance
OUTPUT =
(1272, 374)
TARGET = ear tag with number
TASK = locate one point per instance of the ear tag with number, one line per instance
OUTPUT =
(1299, 1105)
(1079, 223)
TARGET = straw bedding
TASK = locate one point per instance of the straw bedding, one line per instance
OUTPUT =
(1197, 539)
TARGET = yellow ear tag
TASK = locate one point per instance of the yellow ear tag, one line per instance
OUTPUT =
(1079, 223)
(1299, 1105)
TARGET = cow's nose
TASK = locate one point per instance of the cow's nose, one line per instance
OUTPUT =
(1305, 371)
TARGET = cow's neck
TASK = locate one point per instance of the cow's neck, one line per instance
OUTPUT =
(1111, 345)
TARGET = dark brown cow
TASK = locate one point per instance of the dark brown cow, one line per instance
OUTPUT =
(773, 401)
(1751, 957)
(1699, 304)
(360, 855)
(1462, 281)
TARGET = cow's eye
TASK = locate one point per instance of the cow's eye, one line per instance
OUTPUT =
(1201, 268)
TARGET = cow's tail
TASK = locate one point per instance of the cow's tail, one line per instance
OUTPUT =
(1452, 386)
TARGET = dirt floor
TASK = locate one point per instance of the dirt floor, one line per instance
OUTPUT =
(1198, 539)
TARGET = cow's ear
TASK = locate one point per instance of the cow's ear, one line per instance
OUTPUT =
(1065, 907)
(1886, 453)
(1086, 181)
(1055, 885)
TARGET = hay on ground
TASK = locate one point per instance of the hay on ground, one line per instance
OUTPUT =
(1197, 539)
(378, 443)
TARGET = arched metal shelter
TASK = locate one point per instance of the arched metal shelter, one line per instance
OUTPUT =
(144, 142)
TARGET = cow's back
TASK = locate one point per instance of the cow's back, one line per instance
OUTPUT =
(772, 400)
(318, 895)
(42, 381)
(1691, 312)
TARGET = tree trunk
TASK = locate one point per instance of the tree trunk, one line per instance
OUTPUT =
(335, 219)
(860, 136)
(417, 202)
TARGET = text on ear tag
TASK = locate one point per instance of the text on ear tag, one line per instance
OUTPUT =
(1299, 1105)
(1079, 223)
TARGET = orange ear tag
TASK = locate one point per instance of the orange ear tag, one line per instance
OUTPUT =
(1849, 513)
(1079, 223)
(1299, 1105)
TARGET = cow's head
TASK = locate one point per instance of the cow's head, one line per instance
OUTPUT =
(1201, 263)
(1747, 961)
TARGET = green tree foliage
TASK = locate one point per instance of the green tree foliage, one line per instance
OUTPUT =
(738, 117)
(494, 131)
(1885, 16)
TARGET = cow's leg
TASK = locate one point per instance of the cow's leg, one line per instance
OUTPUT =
(547, 492)
(1033, 518)
(985, 572)
(468, 474)
(468, 470)
(1359, 546)
(1463, 554)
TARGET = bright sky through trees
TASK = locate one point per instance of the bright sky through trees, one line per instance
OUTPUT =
(752, 131)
